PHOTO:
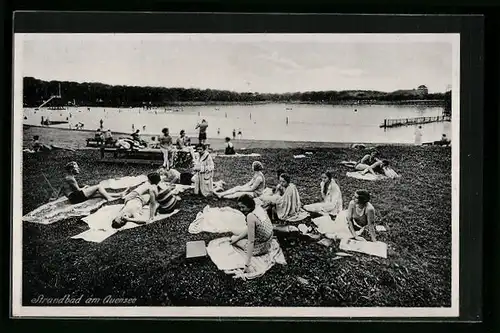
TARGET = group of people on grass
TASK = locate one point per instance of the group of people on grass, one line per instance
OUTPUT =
(260, 204)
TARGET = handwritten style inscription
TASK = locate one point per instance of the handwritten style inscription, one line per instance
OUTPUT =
(80, 300)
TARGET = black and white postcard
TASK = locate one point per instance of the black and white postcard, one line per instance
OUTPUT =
(236, 175)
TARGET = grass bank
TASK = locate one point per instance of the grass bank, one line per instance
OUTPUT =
(148, 262)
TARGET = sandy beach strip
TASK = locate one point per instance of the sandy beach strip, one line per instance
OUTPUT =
(76, 139)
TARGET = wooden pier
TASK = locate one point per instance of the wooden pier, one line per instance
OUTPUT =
(413, 121)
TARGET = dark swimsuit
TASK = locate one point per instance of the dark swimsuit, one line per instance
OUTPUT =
(77, 197)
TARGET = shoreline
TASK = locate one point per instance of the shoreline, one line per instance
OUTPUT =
(60, 134)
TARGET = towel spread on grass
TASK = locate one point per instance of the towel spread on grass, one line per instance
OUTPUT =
(239, 155)
(378, 249)
(231, 259)
(218, 220)
(337, 229)
(61, 209)
(100, 223)
(124, 182)
(366, 176)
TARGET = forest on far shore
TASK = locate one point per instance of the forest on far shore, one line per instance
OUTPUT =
(36, 91)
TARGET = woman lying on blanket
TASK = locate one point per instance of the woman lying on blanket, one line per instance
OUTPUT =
(158, 195)
(256, 240)
(77, 194)
(331, 195)
(285, 202)
(368, 159)
(253, 188)
(361, 214)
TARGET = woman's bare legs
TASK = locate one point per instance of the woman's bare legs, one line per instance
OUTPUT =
(98, 190)
(236, 195)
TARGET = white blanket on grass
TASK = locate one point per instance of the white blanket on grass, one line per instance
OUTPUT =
(124, 182)
(61, 209)
(231, 259)
(218, 220)
(366, 176)
(378, 249)
(337, 229)
(239, 155)
(100, 223)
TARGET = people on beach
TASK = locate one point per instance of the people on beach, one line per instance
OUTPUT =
(101, 123)
(144, 194)
(218, 131)
(331, 195)
(285, 203)
(204, 171)
(37, 146)
(166, 147)
(144, 128)
(365, 162)
(379, 167)
(361, 215)
(240, 134)
(443, 142)
(229, 147)
(256, 240)
(136, 135)
(254, 188)
(418, 136)
(77, 194)
(234, 134)
(202, 136)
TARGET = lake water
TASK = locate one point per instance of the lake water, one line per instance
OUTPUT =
(356, 123)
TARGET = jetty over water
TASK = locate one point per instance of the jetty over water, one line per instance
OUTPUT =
(413, 121)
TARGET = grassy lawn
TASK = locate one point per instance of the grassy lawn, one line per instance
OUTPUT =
(148, 262)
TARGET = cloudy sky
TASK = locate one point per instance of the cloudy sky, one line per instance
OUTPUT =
(254, 62)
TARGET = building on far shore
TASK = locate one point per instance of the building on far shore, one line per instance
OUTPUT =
(422, 90)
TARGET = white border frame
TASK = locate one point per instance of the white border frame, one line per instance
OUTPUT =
(18, 310)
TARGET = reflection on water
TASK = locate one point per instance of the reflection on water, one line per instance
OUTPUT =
(301, 122)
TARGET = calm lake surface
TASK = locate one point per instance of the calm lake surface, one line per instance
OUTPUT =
(340, 123)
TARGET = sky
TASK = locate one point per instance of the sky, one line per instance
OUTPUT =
(245, 63)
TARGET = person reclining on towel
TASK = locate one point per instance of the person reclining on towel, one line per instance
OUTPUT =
(379, 167)
(331, 195)
(229, 147)
(146, 193)
(285, 202)
(368, 159)
(254, 188)
(256, 240)
(360, 214)
(77, 194)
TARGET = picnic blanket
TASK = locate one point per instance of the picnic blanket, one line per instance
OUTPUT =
(239, 155)
(61, 209)
(100, 223)
(231, 259)
(367, 176)
(218, 220)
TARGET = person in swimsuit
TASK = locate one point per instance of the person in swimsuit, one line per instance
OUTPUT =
(256, 240)
(146, 193)
(254, 188)
(77, 194)
(361, 214)
(202, 137)
(166, 148)
(229, 147)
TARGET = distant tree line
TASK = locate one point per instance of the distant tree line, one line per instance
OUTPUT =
(97, 94)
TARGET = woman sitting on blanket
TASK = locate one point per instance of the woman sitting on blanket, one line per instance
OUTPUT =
(77, 194)
(285, 202)
(360, 215)
(331, 195)
(256, 240)
(158, 195)
(204, 172)
(367, 160)
(253, 188)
